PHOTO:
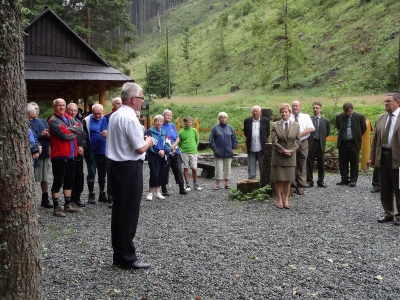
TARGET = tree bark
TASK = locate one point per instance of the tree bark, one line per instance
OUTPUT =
(20, 256)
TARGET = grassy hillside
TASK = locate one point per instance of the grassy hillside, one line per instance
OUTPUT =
(328, 41)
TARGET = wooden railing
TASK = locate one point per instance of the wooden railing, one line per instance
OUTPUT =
(365, 146)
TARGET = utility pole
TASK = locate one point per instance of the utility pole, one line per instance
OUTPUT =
(168, 77)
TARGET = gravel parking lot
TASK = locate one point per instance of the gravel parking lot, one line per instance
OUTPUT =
(206, 246)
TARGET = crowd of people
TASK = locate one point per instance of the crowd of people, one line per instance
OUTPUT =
(115, 146)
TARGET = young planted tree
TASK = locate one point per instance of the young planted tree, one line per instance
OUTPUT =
(20, 256)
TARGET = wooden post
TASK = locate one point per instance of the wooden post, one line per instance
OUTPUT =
(86, 99)
(197, 124)
(102, 92)
(178, 124)
(266, 172)
(77, 92)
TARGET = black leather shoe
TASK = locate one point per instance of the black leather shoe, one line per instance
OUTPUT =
(322, 184)
(342, 182)
(183, 192)
(310, 184)
(165, 194)
(375, 190)
(385, 219)
(46, 204)
(397, 221)
(352, 184)
(136, 265)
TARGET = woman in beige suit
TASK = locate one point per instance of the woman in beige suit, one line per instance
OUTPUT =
(285, 136)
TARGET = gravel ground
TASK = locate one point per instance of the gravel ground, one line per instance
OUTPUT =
(205, 246)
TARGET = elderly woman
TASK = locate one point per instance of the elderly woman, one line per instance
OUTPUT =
(223, 141)
(285, 137)
(157, 156)
(175, 159)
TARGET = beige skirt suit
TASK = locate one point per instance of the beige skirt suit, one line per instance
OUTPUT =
(283, 167)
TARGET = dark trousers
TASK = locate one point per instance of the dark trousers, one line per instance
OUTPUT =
(301, 165)
(389, 184)
(109, 185)
(63, 174)
(127, 181)
(375, 178)
(315, 152)
(157, 166)
(174, 163)
(79, 180)
(348, 154)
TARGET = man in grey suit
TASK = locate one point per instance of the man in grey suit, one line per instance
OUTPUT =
(385, 154)
(256, 131)
(316, 146)
(351, 127)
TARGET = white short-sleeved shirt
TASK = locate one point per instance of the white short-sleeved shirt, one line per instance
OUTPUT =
(124, 136)
(304, 123)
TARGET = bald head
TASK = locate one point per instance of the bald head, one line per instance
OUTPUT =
(97, 111)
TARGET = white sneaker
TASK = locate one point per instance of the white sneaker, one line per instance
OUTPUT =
(149, 197)
(188, 188)
(159, 196)
(197, 188)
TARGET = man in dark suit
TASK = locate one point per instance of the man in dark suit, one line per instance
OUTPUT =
(351, 127)
(385, 154)
(316, 146)
(256, 131)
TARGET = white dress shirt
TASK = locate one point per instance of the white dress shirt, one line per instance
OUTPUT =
(304, 123)
(391, 130)
(124, 136)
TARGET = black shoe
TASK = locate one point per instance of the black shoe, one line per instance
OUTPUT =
(342, 182)
(385, 219)
(183, 192)
(136, 265)
(165, 194)
(103, 197)
(79, 203)
(322, 184)
(310, 184)
(46, 204)
(91, 199)
(352, 183)
(375, 190)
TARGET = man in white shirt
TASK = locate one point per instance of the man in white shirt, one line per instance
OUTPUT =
(306, 127)
(126, 149)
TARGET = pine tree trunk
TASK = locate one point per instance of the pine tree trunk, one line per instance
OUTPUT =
(20, 257)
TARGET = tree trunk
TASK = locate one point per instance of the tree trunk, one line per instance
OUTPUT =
(20, 257)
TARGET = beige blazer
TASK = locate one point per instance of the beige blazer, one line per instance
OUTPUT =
(376, 146)
(280, 143)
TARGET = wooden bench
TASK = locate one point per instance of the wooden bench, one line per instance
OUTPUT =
(208, 169)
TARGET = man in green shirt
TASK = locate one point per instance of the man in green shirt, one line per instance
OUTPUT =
(188, 143)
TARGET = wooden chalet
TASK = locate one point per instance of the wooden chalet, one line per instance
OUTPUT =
(59, 64)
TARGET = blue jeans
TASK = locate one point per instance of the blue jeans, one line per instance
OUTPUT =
(98, 162)
(252, 158)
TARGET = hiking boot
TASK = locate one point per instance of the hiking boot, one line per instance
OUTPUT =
(103, 197)
(197, 188)
(59, 212)
(71, 208)
(91, 199)
(79, 203)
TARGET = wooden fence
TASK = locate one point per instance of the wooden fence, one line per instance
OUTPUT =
(365, 147)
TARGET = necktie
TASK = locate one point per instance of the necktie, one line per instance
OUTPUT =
(387, 129)
(296, 118)
(317, 128)
(286, 129)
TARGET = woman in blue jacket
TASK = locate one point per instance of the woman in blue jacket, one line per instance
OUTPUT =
(223, 141)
